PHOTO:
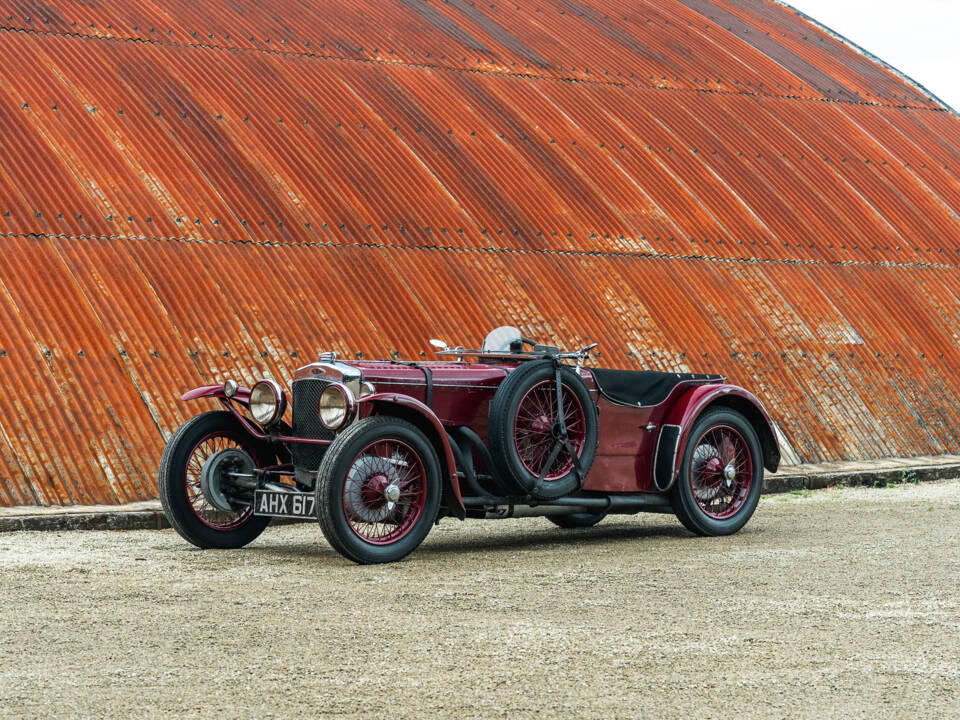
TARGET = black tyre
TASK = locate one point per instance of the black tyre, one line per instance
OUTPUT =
(186, 508)
(721, 476)
(378, 490)
(576, 520)
(524, 424)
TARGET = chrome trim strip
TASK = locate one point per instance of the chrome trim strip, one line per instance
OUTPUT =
(331, 371)
(656, 456)
(673, 460)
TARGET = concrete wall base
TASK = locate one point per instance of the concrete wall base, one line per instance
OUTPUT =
(149, 516)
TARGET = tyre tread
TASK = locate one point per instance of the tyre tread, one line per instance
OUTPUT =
(201, 536)
(326, 477)
(686, 509)
(502, 405)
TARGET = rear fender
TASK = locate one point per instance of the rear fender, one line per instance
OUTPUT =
(242, 395)
(414, 411)
(697, 400)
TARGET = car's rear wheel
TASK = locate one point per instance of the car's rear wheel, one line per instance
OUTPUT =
(721, 476)
(378, 490)
(193, 514)
(576, 520)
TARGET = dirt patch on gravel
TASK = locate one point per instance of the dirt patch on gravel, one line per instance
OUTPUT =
(830, 603)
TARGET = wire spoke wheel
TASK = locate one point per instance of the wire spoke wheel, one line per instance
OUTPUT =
(206, 448)
(721, 472)
(385, 492)
(219, 521)
(378, 490)
(537, 430)
(534, 450)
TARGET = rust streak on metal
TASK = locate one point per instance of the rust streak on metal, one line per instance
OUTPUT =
(191, 191)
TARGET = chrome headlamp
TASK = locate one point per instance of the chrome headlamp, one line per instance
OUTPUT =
(230, 387)
(337, 406)
(267, 402)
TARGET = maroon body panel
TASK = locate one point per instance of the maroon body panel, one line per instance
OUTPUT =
(412, 403)
(628, 434)
(693, 402)
(628, 437)
(461, 393)
(625, 452)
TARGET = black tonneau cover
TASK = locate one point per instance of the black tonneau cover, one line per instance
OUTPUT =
(645, 387)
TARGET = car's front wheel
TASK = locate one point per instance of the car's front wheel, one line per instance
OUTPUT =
(721, 475)
(378, 490)
(213, 438)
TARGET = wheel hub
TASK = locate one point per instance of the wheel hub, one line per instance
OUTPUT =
(371, 490)
(214, 480)
(541, 424)
(721, 474)
(714, 466)
(711, 472)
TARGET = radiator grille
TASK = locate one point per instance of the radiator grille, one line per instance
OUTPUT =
(306, 423)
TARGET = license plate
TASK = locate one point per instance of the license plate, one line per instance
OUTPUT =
(277, 503)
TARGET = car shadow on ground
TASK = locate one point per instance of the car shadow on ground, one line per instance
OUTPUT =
(545, 537)
(460, 542)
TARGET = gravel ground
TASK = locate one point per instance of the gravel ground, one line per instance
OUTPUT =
(828, 604)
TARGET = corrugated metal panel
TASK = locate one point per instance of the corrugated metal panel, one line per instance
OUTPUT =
(195, 190)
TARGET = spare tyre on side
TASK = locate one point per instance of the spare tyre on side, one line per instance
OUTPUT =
(533, 447)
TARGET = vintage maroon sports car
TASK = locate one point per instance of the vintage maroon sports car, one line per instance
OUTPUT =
(380, 451)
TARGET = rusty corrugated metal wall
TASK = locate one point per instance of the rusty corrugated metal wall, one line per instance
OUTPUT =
(195, 190)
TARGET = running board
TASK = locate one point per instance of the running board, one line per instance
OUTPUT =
(620, 504)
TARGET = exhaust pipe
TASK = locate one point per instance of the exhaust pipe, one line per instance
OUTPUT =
(502, 512)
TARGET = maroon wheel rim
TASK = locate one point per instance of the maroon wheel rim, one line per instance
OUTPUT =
(536, 426)
(721, 472)
(384, 492)
(206, 513)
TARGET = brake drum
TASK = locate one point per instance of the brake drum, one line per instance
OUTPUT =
(213, 479)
